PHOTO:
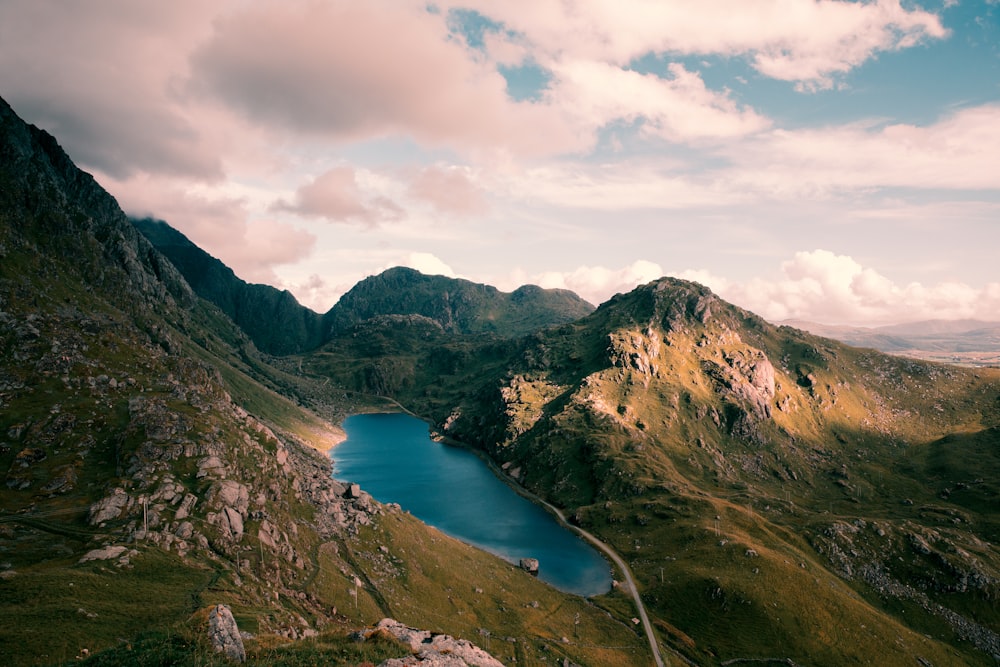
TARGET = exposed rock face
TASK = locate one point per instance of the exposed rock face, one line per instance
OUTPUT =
(224, 634)
(747, 376)
(106, 553)
(431, 650)
(109, 508)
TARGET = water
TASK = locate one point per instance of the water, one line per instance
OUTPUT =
(393, 458)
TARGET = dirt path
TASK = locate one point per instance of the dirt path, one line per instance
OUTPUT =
(613, 555)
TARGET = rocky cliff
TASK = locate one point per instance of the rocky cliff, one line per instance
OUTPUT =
(253, 308)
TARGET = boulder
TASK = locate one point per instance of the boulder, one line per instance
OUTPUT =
(529, 565)
(109, 508)
(432, 650)
(186, 506)
(234, 522)
(185, 530)
(106, 553)
(224, 633)
(231, 493)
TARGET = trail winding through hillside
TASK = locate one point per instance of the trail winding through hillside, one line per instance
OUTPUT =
(613, 555)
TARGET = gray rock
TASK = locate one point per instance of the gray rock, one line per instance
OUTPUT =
(231, 493)
(433, 650)
(109, 507)
(106, 553)
(530, 565)
(224, 633)
(186, 506)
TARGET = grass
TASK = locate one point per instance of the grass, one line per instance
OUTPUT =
(187, 645)
(93, 605)
(648, 460)
(428, 580)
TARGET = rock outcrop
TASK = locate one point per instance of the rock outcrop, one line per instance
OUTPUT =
(431, 650)
(224, 633)
(529, 565)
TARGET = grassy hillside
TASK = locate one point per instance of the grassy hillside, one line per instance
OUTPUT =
(154, 465)
(777, 494)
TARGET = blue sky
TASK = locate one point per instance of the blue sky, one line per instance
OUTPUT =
(819, 159)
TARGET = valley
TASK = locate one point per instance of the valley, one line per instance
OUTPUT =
(777, 496)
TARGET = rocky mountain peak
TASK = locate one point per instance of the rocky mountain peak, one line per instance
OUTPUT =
(64, 209)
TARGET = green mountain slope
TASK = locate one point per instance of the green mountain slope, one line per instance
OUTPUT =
(965, 342)
(253, 308)
(778, 495)
(154, 465)
(458, 306)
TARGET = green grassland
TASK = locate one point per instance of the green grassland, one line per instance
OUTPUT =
(851, 519)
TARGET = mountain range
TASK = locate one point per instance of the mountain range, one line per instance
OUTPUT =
(457, 306)
(967, 342)
(779, 496)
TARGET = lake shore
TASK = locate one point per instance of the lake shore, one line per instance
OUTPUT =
(395, 459)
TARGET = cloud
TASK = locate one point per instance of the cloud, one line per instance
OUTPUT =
(676, 107)
(960, 151)
(597, 284)
(427, 263)
(824, 287)
(219, 225)
(355, 71)
(807, 42)
(100, 76)
(449, 190)
(817, 285)
(336, 196)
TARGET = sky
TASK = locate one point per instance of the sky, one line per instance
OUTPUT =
(825, 160)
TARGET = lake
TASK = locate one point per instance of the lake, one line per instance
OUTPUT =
(393, 458)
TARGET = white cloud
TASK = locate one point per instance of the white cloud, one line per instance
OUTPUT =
(676, 107)
(450, 190)
(960, 151)
(426, 263)
(824, 287)
(793, 40)
(336, 196)
(597, 284)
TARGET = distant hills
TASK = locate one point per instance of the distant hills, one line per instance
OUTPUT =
(457, 306)
(970, 342)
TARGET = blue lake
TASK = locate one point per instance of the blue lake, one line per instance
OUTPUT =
(393, 458)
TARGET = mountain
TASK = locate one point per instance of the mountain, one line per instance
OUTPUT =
(970, 342)
(457, 306)
(253, 308)
(778, 494)
(155, 466)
